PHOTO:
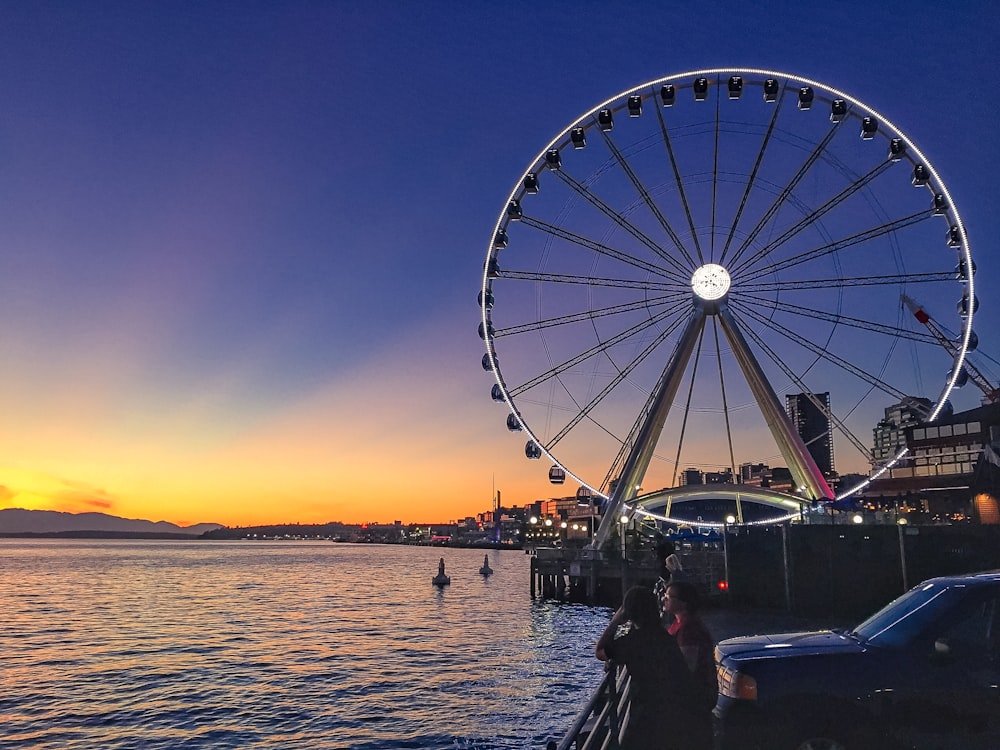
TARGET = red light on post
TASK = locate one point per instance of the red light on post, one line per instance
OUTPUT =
(723, 585)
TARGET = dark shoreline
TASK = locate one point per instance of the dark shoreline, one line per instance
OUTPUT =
(97, 535)
(164, 535)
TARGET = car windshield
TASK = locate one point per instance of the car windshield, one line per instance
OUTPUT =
(900, 621)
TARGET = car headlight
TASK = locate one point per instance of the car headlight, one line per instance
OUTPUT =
(736, 684)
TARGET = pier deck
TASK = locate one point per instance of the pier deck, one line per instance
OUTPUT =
(600, 577)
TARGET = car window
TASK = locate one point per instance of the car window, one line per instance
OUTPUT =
(899, 622)
(971, 631)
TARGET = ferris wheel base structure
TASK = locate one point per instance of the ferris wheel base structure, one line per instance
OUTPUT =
(664, 500)
(709, 287)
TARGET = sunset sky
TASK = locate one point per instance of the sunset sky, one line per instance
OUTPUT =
(240, 243)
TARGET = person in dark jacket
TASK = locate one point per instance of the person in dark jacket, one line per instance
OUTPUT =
(664, 548)
(663, 692)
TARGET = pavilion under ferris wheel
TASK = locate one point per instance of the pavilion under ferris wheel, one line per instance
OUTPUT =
(689, 251)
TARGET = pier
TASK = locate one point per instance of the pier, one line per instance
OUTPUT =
(600, 577)
(809, 570)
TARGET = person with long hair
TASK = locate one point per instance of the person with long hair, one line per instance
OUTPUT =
(682, 601)
(663, 691)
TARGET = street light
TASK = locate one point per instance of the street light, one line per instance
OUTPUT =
(857, 518)
(730, 519)
(623, 520)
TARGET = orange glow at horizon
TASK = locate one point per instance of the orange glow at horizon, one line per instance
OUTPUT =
(421, 444)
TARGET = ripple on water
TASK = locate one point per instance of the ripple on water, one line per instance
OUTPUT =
(277, 645)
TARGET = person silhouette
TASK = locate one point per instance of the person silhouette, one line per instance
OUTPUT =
(663, 692)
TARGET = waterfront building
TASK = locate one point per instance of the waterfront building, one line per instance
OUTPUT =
(719, 477)
(952, 461)
(812, 422)
(559, 507)
(888, 436)
(951, 445)
(691, 476)
(755, 474)
(780, 478)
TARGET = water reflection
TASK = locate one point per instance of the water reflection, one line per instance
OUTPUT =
(311, 645)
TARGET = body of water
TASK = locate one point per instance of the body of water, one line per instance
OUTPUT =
(163, 644)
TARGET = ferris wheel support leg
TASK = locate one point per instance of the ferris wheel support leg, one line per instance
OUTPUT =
(801, 464)
(649, 434)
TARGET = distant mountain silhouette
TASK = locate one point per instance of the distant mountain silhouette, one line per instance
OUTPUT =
(20, 521)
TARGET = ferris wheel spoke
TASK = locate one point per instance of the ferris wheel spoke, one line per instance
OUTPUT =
(627, 444)
(852, 281)
(687, 405)
(665, 133)
(832, 247)
(621, 221)
(647, 199)
(867, 325)
(598, 281)
(813, 216)
(599, 248)
(752, 178)
(650, 303)
(783, 196)
(715, 168)
(623, 373)
(618, 464)
(599, 348)
(804, 388)
(722, 386)
(825, 354)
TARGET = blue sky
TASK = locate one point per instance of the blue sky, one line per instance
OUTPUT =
(241, 242)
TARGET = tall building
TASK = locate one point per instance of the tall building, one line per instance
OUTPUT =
(718, 477)
(691, 476)
(889, 435)
(813, 426)
(751, 473)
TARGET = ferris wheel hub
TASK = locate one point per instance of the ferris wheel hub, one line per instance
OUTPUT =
(710, 282)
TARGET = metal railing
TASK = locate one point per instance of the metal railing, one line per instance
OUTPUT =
(599, 724)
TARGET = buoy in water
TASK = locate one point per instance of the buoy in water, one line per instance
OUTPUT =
(441, 579)
(486, 569)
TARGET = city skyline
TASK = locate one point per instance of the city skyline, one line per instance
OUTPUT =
(241, 251)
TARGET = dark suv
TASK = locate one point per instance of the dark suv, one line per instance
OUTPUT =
(923, 673)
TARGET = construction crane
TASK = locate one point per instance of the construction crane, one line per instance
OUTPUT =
(991, 394)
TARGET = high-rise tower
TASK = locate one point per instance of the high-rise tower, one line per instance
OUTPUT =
(889, 435)
(813, 426)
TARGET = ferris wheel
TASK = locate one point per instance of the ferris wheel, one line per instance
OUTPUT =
(693, 256)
